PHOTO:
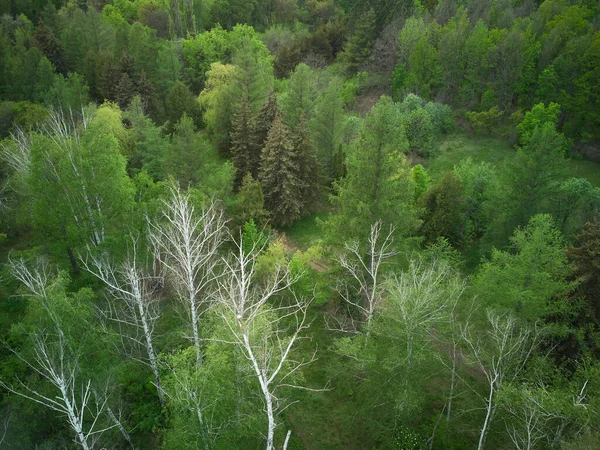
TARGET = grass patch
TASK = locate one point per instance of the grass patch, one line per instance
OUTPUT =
(460, 146)
(306, 231)
(494, 150)
(583, 168)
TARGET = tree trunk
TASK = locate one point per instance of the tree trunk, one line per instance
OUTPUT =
(72, 260)
(488, 416)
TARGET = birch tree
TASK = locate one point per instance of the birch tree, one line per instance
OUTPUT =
(367, 288)
(501, 358)
(421, 297)
(187, 242)
(77, 181)
(133, 287)
(73, 395)
(55, 358)
(266, 332)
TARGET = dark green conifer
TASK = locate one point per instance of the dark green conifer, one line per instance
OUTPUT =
(359, 46)
(279, 176)
(43, 38)
(241, 146)
(260, 131)
(124, 91)
(308, 165)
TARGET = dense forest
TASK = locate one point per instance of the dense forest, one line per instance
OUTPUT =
(300, 224)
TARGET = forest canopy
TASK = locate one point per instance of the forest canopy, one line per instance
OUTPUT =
(300, 224)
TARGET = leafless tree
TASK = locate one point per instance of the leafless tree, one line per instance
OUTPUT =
(38, 280)
(424, 295)
(366, 288)
(56, 364)
(137, 309)
(265, 332)
(5, 425)
(187, 243)
(501, 357)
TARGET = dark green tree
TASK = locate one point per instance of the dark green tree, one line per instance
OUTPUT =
(442, 210)
(124, 91)
(279, 176)
(262, 125)
(308, 165)
(180, 100)
(359, 46)
(242, 154)
(44, 39)
(527, 183)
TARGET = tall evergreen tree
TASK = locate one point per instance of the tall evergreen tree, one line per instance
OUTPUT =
(44, 39)
(262, 125)
(124, 91)
(279, 176)
(379, 184)
(308, 165)
(299, 97)
(359, 46)
(241, 144)
(327, 125)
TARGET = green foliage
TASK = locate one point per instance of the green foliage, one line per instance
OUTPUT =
(379, 185)
(250, 203)
(528, 181)
(421, 179)
(443, 208)
(279, 176)
(537, 117)
(327, 126)
(485, 120)
(359, 46)
(528, 278)
(419, 131)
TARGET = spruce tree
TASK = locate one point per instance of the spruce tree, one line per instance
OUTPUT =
(308, 165)
(43, 38)
(359, 46)
(124, 91)
(261, 126)
(147, 93)
(127, 65)
(241, 146)
(279, 176)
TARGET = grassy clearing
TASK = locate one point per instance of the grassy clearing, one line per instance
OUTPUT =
(494, 150)
(460, 146)
(306, 231)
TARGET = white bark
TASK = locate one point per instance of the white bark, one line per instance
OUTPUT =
(256, 326)
(137, 309)
(38, 280)
(365, 271)
(187, 243)
(501, 358)
(75, 399)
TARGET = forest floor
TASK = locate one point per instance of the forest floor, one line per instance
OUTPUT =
(319, 423)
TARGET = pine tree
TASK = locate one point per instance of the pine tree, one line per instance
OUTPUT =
(241, 145)
(359, 46)
(147, 92)
(124, 91)
(260, 130)
(127, 65)
(442, 210)
(308, 165)
(279, 176)
(44, 39)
